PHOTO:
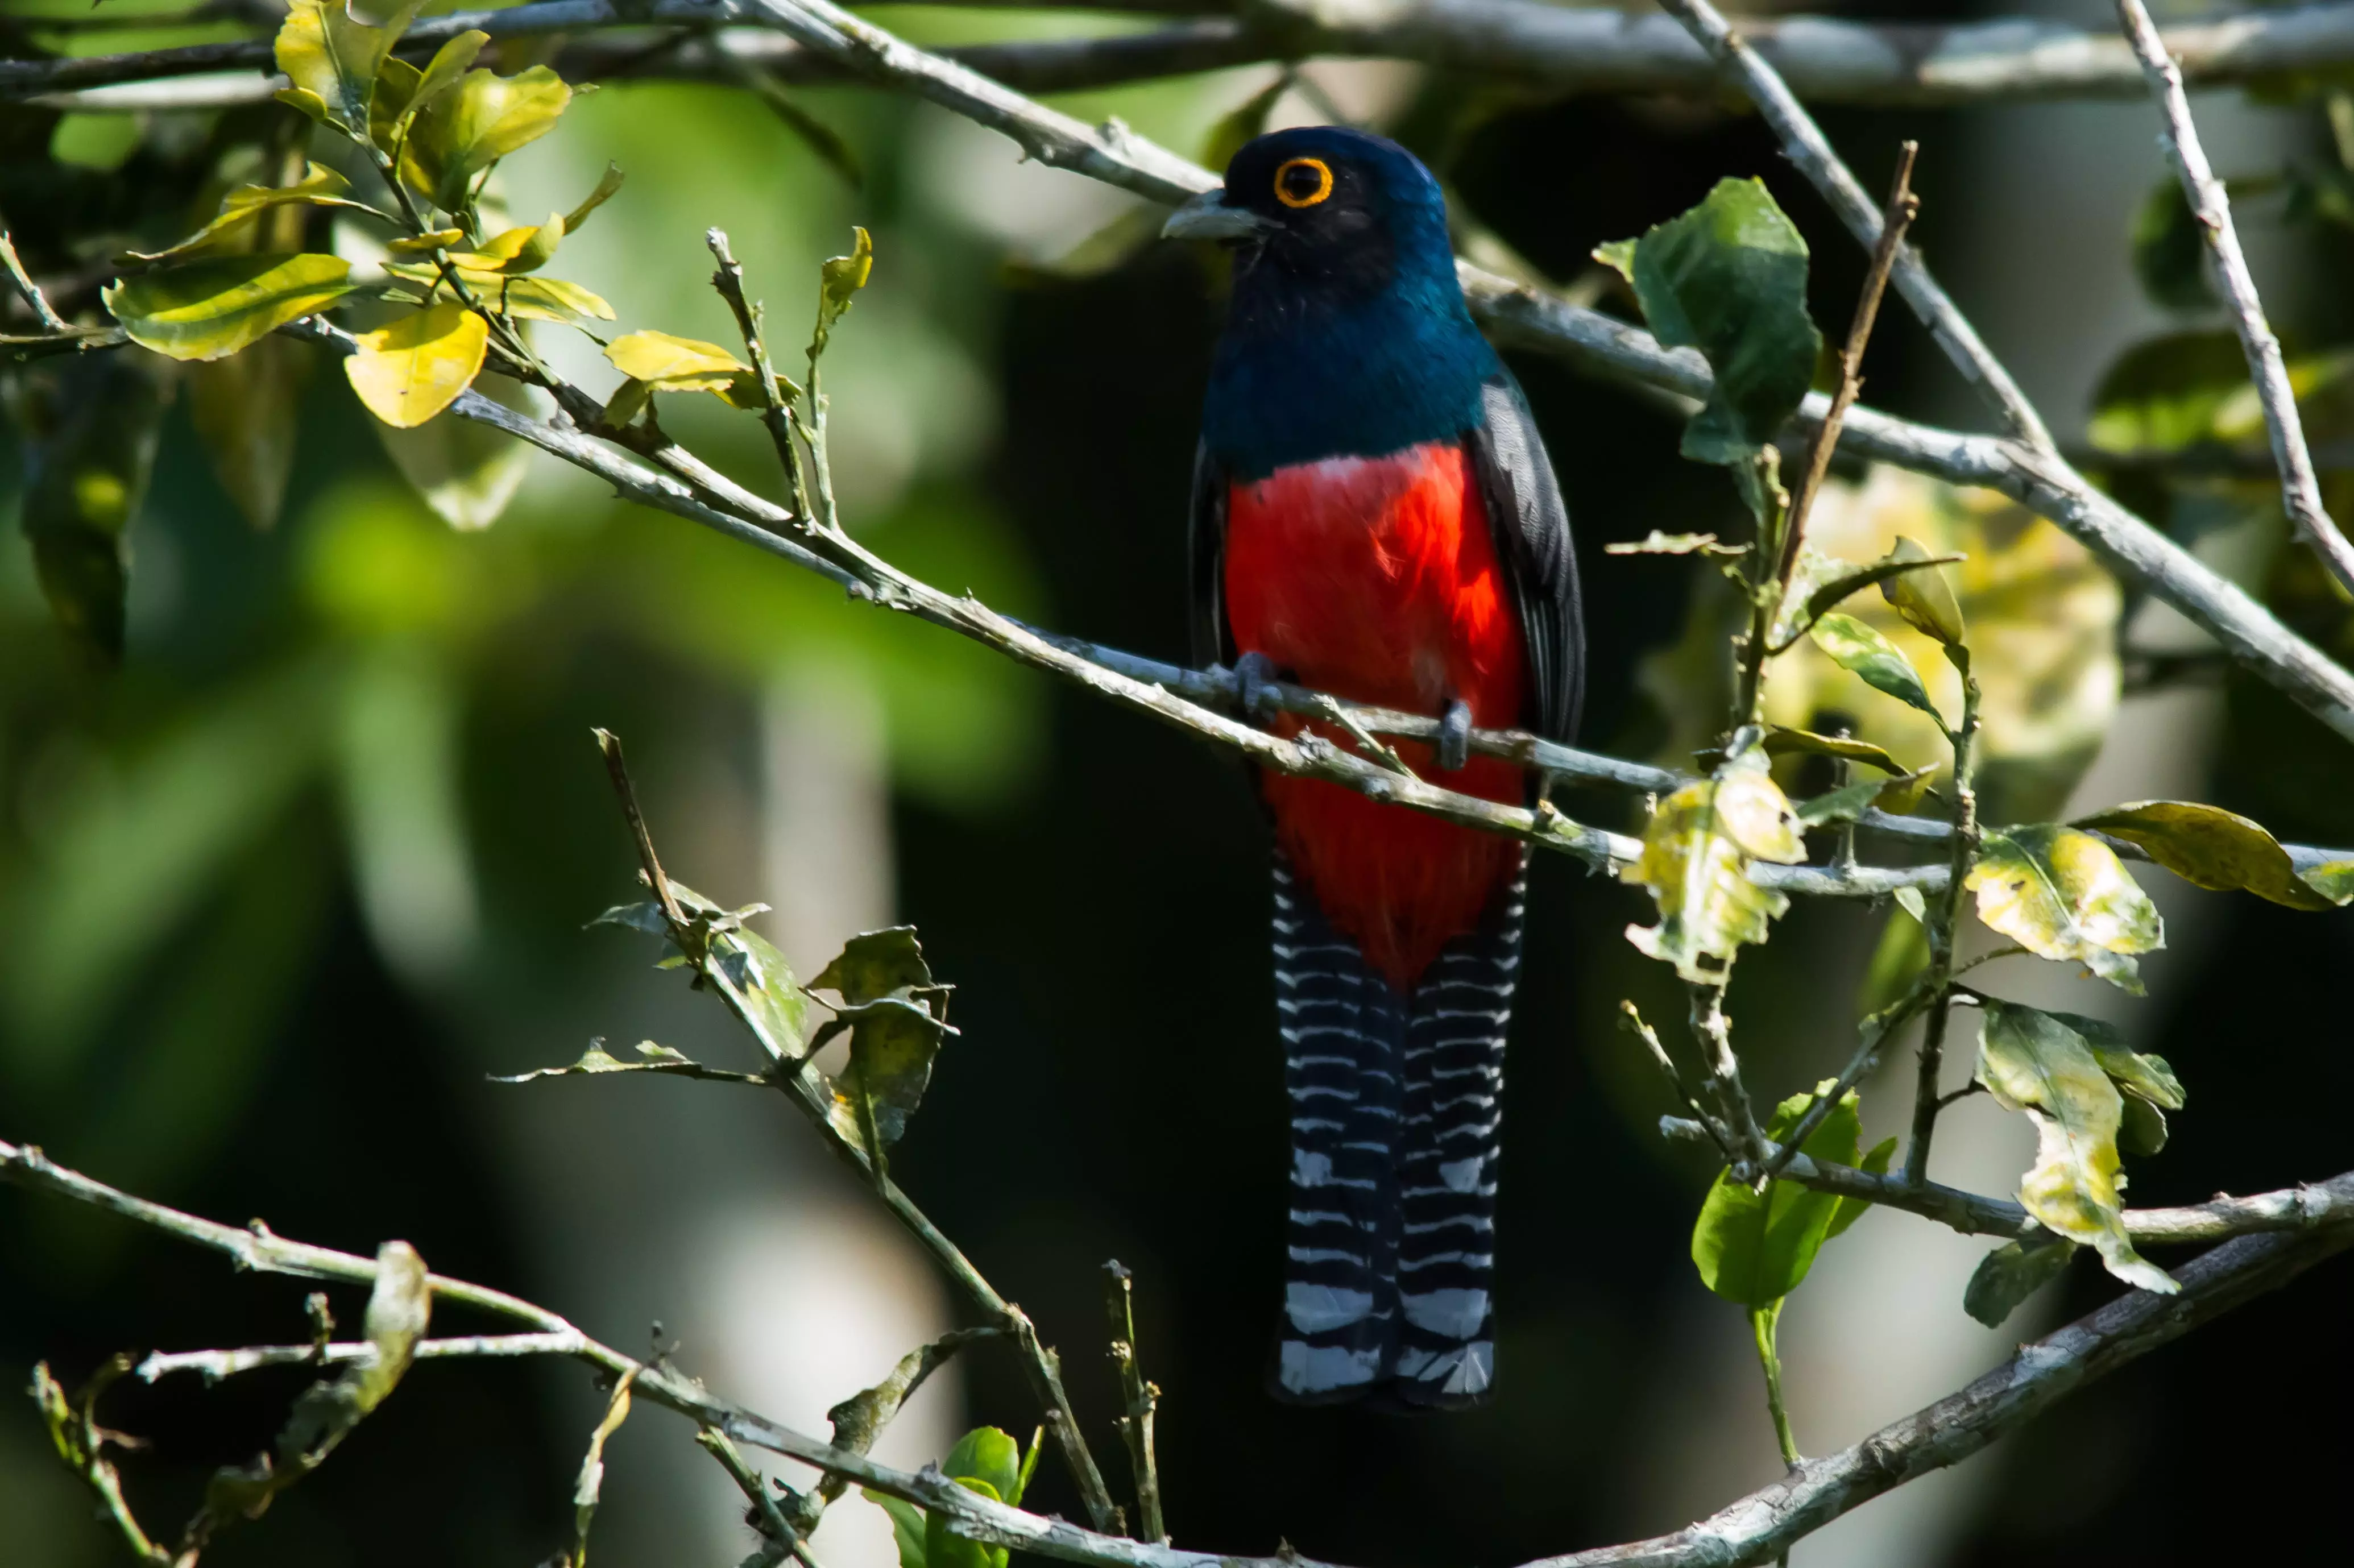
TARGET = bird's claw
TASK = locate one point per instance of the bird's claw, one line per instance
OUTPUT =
(1455, 737)
(1254, 675)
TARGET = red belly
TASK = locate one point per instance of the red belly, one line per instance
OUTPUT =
(1377, 578)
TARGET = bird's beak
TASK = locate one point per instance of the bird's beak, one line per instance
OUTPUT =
(1207, 216)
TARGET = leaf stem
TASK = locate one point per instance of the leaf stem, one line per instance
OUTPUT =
(1764, 1323)
(1942, 918)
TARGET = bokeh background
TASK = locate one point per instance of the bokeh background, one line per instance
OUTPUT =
(278, 895)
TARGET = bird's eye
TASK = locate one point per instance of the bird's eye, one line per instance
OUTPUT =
(1303, 182)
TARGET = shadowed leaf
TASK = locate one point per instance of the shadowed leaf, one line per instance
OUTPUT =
(1858, 649)
(2169, 253)
(2065, 896)
(217, 305)
(896, 1014)
(247, 408)
(907, 1527)
(465, 471)
(90, 425)
(2214, 848)
(318, 188)
(2013, 1272)
(1924, 598)
(411, 370)
(1754, 1248)
(2030, 1061)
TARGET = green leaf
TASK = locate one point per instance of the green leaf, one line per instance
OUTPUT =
(908, 1526)
(333, 58)
(2013, 1272)
(1754, 1248)
(2136, 1075)
(1897, 566)
(1618, 255)
(474, 123)
(988, 1455)
(669, 364)
(654, 1058)
(1898, 958)
(90, 424)
(1855, 647)
(1853, 1209)
(1783, 741)
(943, 1548)
(1850, 801)
(444, 71)
(514, 252)
(217, 305)
(465, 471)
(1729, 277)
(606, 184)
(2169, 253)
(2210, 847)
(1924, 598)
(2165, 394)
(319, 186)
(246, 408)
(2031, 1060)
(1697, 850)
(898, 1014)
(2143, 1130)
(839, 279)
(411, 370)
(2064, 896)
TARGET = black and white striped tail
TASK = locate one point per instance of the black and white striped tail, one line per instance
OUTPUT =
(1393, 1146)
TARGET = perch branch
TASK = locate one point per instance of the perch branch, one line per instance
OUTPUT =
(2212, 209)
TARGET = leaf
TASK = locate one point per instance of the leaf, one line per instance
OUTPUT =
(214, 306)
(2169, 253)
(1887, 571)
(318, 187)
(2030, 1061)
(516, 251)
(1618, 255)
(90, 424)
(2013, 1272)
(2165, 393)
(396, 82)
(444, 71)
(1783, 741)
(1898, 958)
(839, 279)
(898, 1014)
(247, 408)
(547, 300)
(985, 1460)
(2136, 1075)
(474, 123)
(2142, 1131)
(332, 59)
(2210, 847)
(655, 1058)
(907, 1527)
(1853, 1209)
(1857, 648)
(1729, 277)
(1850, 801)
(943, 1548)
(1924, 598)
(465, 471)
(2064, 896)
(411, 370)
(606, 184)
(1697, 850)
(1754, 1248)
(669, 364)
(398, 1308)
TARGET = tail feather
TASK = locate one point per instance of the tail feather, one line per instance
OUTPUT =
(1395, 1106)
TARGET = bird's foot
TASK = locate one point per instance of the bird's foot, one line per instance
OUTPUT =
(1455, 737)
(1254, 675)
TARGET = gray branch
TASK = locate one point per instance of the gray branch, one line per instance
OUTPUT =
(1753, 1530)
(2212, 207)
(1568, 51)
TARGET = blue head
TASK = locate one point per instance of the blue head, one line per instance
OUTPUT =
(1348, 335)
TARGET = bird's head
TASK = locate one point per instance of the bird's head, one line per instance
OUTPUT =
(1326, 211)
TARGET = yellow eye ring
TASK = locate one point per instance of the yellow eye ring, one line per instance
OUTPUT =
(1284, 181)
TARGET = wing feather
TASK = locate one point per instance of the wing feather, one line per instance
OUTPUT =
(1533, 540)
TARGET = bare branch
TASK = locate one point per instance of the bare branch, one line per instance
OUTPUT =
(2212, 209)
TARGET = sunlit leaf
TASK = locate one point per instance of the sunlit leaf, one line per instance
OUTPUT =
(1754, 1248)
(1618, 255)
(411, 370)
(2032, 1062)
(477, 121)
(217, 305)
(2013, 1272)
(445, 69)
(2135, 1075)
(246, 408)
(1729, 277)
(2065, 896)
(2213, 848)
(651, 1058)
(319, 186)
(1887, 572)
(465, 471)
(90, 425)
(671, 363)
(898, 1014)
(839, 279)
(517, 250)
(333, 57)
(1697, 850)
(1783, 741)
(606, 184)
(984, 1460)
(1857, 648)
(1924, 597)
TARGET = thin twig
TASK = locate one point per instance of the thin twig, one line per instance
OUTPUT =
(2209, 203)
(775, 412)
(1944, 916)
(30, 290)
(1750, 1529)
(1141, 1397)
(783, 1539)
(214, 1365)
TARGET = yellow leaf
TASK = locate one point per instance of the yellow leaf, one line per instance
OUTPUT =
(476, 123)
(1697, 852)
(426, 244)
(606, 186)
(673, 363)
(2065, 896)
(318, 187)
(517, 249)
(215, 305)
(324, 51)
(416, 367)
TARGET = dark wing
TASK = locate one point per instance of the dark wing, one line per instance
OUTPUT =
(1532, 532)
(1206, 553)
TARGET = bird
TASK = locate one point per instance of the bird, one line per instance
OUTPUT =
(1375, 515)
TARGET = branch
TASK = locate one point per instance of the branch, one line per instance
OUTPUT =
(2212, 207)
(1750, 1530)
(1826, 59)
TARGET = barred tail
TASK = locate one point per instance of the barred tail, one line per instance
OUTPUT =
(1343, 1028)
(1447, 1150)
